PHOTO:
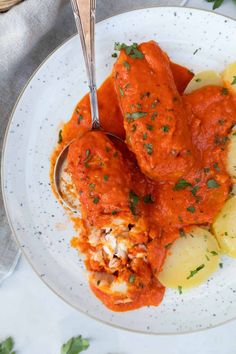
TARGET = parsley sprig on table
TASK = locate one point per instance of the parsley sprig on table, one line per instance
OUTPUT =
(218, 3)
(75, 345)
(6, 347)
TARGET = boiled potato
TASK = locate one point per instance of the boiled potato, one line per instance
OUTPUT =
(190, 260)
(229, 77)
(231, 157)
(224, 227)
(204, 78)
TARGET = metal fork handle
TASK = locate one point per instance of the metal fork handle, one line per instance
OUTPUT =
(85, 18)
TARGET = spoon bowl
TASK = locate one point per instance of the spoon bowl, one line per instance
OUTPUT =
(84, 13)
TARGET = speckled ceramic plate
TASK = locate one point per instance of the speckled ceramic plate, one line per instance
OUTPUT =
(194, 38)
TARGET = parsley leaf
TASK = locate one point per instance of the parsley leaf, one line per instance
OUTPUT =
(195, 271)
(96, 200)
(121, 92)
(126, 65)
(133, 201)
(6, 346)
(211, 183)
(148, 199)
(217, 4)
(132, 278)
(130, 50)
(194, 190)
(135, 115)
(180, 289)
(75, 345)
(181, 184)
(148, 148)
(165, 128)
(234, 81)
(191, 209)
(80, 118)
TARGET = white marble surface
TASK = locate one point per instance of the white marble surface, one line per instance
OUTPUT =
(40, 322)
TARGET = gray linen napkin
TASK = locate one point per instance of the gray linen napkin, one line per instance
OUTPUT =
(28, 33)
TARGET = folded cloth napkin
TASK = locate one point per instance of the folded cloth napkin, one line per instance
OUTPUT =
(28, 33)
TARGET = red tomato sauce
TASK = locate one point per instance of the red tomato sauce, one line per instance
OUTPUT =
(172, 175)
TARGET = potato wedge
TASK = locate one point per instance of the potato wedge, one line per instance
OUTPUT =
(190, 260)
(224, 227)
(231, 157)
(204, 78)
(229, 77)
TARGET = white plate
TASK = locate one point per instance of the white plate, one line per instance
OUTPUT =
(39, 222)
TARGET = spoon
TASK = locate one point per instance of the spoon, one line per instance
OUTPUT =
(84, 13)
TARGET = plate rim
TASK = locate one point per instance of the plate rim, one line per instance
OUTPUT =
(3, 156)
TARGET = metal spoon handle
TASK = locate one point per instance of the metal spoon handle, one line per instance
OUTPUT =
(84, 12)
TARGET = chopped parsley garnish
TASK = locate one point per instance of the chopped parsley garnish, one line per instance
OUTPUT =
(221, 121)
(148, 199)
(154, 115)
(96, 200)
(114, 212)
(221, 265)
(224, 91)
(115, 154)
(130, 50)
(194, 190)
(114, 55)
(121, 92)
(149, 127)
(197, 180)
(60, 137)
(80, 118)
(206, 169)
(133, 128)
(198, 79)
(165, 128)
(132, 278)
(182, 233)
(180, 289)
(195, 271)
(216, 166)
(126, 65)
(133, 201)
(234, 81)
(181, 184)
(87, 156)
(75, 345)
(135, 115)
(108, 149)
(6, 346)
(106, 178)
(214, 253)
(211, 183)
(144, 136)
(92, 185)
(191, 209)
(148, 148)
(145, 94)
